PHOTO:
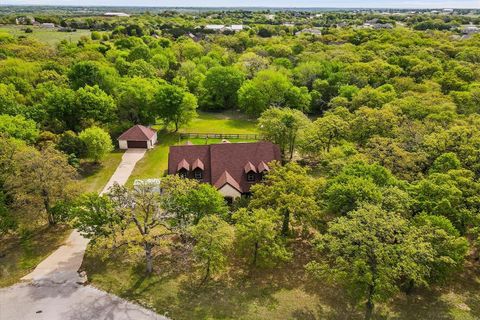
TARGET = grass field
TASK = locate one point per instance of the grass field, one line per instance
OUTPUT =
(19, 255)
(95, 177)
(49, 36)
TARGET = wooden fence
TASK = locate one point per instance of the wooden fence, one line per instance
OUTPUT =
(238, 136)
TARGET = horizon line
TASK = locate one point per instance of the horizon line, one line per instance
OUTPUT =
(226, 6)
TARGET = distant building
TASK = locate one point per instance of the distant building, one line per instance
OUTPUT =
(222, 27)
(116, 14)
(312, 31)
(215, 27)
(378, 26)
(47, 25)
(470, 29)
(230, 167)
(288, 24)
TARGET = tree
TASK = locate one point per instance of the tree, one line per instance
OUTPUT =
(367, 251)
(134, 100)
(85, 73)
(94, 105)
(271, 88)
(219, 88)
(174, 105)
(19, 128)
(97, 143)
(41, 181)
(283, 126)
(256, 233)
(295, 202)
(9, 103)
(214, 239)
(124, 217)
(189, 201)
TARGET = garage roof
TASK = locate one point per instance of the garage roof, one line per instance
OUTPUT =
(137, 133)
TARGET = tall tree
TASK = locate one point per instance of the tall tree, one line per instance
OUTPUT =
(214, 239)
(219, 88)
(293, 201)
(41, 181)
(283, 127)
(174, 105)
(367, 251)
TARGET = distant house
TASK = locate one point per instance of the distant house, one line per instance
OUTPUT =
(137, 136)
(215, 27)
(312, 31)
(47, 25)
(116, 14)
(231, 167)
(470, 29)
(236, 27)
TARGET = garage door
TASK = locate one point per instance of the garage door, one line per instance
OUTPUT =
(137, 144)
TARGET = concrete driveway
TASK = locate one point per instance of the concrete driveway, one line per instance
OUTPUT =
(125, 168)
(54, 290)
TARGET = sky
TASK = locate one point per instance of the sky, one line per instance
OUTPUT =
(260, 3)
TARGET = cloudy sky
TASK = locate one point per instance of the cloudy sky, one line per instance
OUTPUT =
(262, 3)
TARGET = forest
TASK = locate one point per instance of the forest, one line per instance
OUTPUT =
(375, 207)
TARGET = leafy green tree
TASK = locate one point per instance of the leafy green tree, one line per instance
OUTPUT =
(141, 68)
(445, 163)
(124, 217)
(214, 239)
(283, 127)
(85, 73)
(9, 103)
(97, 143)
(368, 251)
(256, 233)
(134, 100)
(271, 88)
(94, 105)
(219, 88)
(19, 128)
(189, 201)
(41, 181)
(174, 105)
(70, 143)
(295, 202)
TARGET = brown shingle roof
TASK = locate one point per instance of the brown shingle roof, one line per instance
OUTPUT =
(262, 166)
(198, 164)
(226, 178)
(230, 157)
(183, 165)
(137, 133)
(250, 167)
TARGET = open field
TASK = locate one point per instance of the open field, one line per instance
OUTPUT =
(19, 255)
(49, 36)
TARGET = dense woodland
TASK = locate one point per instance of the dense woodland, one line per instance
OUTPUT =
(379, 130)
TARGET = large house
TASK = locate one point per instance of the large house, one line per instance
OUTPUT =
(231, 167)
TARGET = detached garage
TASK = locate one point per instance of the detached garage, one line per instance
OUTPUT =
(138, 137)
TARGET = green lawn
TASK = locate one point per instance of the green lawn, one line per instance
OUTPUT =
(95, 177)
(19, 255)
(49, 36)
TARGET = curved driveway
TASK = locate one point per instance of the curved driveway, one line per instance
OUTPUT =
(54, 290)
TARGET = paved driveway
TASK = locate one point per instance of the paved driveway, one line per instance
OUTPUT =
(53, 291)
(125, 168)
